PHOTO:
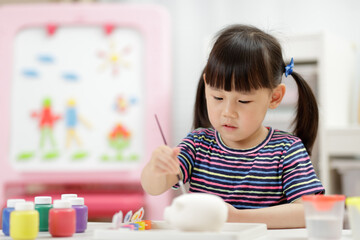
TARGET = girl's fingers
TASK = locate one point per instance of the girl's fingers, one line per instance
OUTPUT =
(164, 162)
(175, 152)
(171, 164)
(162, 169)
(171, 158)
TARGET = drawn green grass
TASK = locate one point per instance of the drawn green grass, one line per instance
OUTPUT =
(51, 156)
(79, 156)
(25, 156)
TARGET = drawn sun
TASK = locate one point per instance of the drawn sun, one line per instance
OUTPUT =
(114, 59)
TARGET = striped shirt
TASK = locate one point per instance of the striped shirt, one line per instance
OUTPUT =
(276, 171)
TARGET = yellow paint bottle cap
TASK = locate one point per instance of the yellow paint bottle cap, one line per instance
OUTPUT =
(24, 206)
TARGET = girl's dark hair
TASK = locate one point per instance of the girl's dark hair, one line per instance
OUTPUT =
(245, 58)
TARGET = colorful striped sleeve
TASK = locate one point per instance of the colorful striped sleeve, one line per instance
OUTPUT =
(187, 157)
(299, 177)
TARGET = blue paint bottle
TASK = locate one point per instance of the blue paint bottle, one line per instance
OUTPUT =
(10, 206)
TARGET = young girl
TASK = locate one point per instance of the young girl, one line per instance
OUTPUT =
(260, 172)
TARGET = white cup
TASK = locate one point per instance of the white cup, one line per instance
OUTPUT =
(324, 216)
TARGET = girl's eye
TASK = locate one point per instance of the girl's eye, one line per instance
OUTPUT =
(218, 98)
(245, 102)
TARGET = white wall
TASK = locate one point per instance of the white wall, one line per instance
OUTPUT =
(195, 21)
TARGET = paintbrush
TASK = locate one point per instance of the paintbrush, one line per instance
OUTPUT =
(165, 142)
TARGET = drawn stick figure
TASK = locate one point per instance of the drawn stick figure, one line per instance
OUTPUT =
(72, 119)
(46, 123)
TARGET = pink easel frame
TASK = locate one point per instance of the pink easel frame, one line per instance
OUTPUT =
(154, 25)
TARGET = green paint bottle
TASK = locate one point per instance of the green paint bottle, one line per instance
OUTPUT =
(43, 205)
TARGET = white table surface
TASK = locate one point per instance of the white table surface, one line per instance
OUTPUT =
(272, 234)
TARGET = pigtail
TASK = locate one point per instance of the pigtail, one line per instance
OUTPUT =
(201, 118)
(307, 116)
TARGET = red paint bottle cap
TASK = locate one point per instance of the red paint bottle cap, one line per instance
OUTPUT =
(42, 200)
(61, 204)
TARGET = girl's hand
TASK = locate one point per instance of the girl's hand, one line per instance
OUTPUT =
(164, 161)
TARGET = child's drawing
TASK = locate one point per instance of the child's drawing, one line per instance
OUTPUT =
(87, 120)
(119, 139)
(72, 121)
(46, 120)
(114, 58)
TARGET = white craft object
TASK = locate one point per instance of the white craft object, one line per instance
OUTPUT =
(197, 212)
(117, 220)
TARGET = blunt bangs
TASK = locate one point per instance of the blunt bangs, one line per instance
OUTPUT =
(241, 63)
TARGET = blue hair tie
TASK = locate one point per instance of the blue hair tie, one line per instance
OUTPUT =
(289, 68)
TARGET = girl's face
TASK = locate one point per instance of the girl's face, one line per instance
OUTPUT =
(238, 116)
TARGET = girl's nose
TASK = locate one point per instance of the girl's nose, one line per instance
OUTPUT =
(229, 110)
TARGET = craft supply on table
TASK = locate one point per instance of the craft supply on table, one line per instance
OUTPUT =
(163, 231)
(141, 225)
(10, 206)
(43, 206)
(24, 221)
(353, 206)
(324, 215)
(62, 219)
(138, 215)
(81, 211)
(128, 217)
(117, 220)
(147, 224)
(181, 184)
(131, 221)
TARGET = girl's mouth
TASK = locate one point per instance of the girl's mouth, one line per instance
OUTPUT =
(229, 126)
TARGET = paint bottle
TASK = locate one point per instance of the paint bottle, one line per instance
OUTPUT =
(67, 196)
(10, 206)
(81, 213)
(24, 221)
(43, 206)
(62, 219)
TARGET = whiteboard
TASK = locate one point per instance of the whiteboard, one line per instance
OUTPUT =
(77, 99)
